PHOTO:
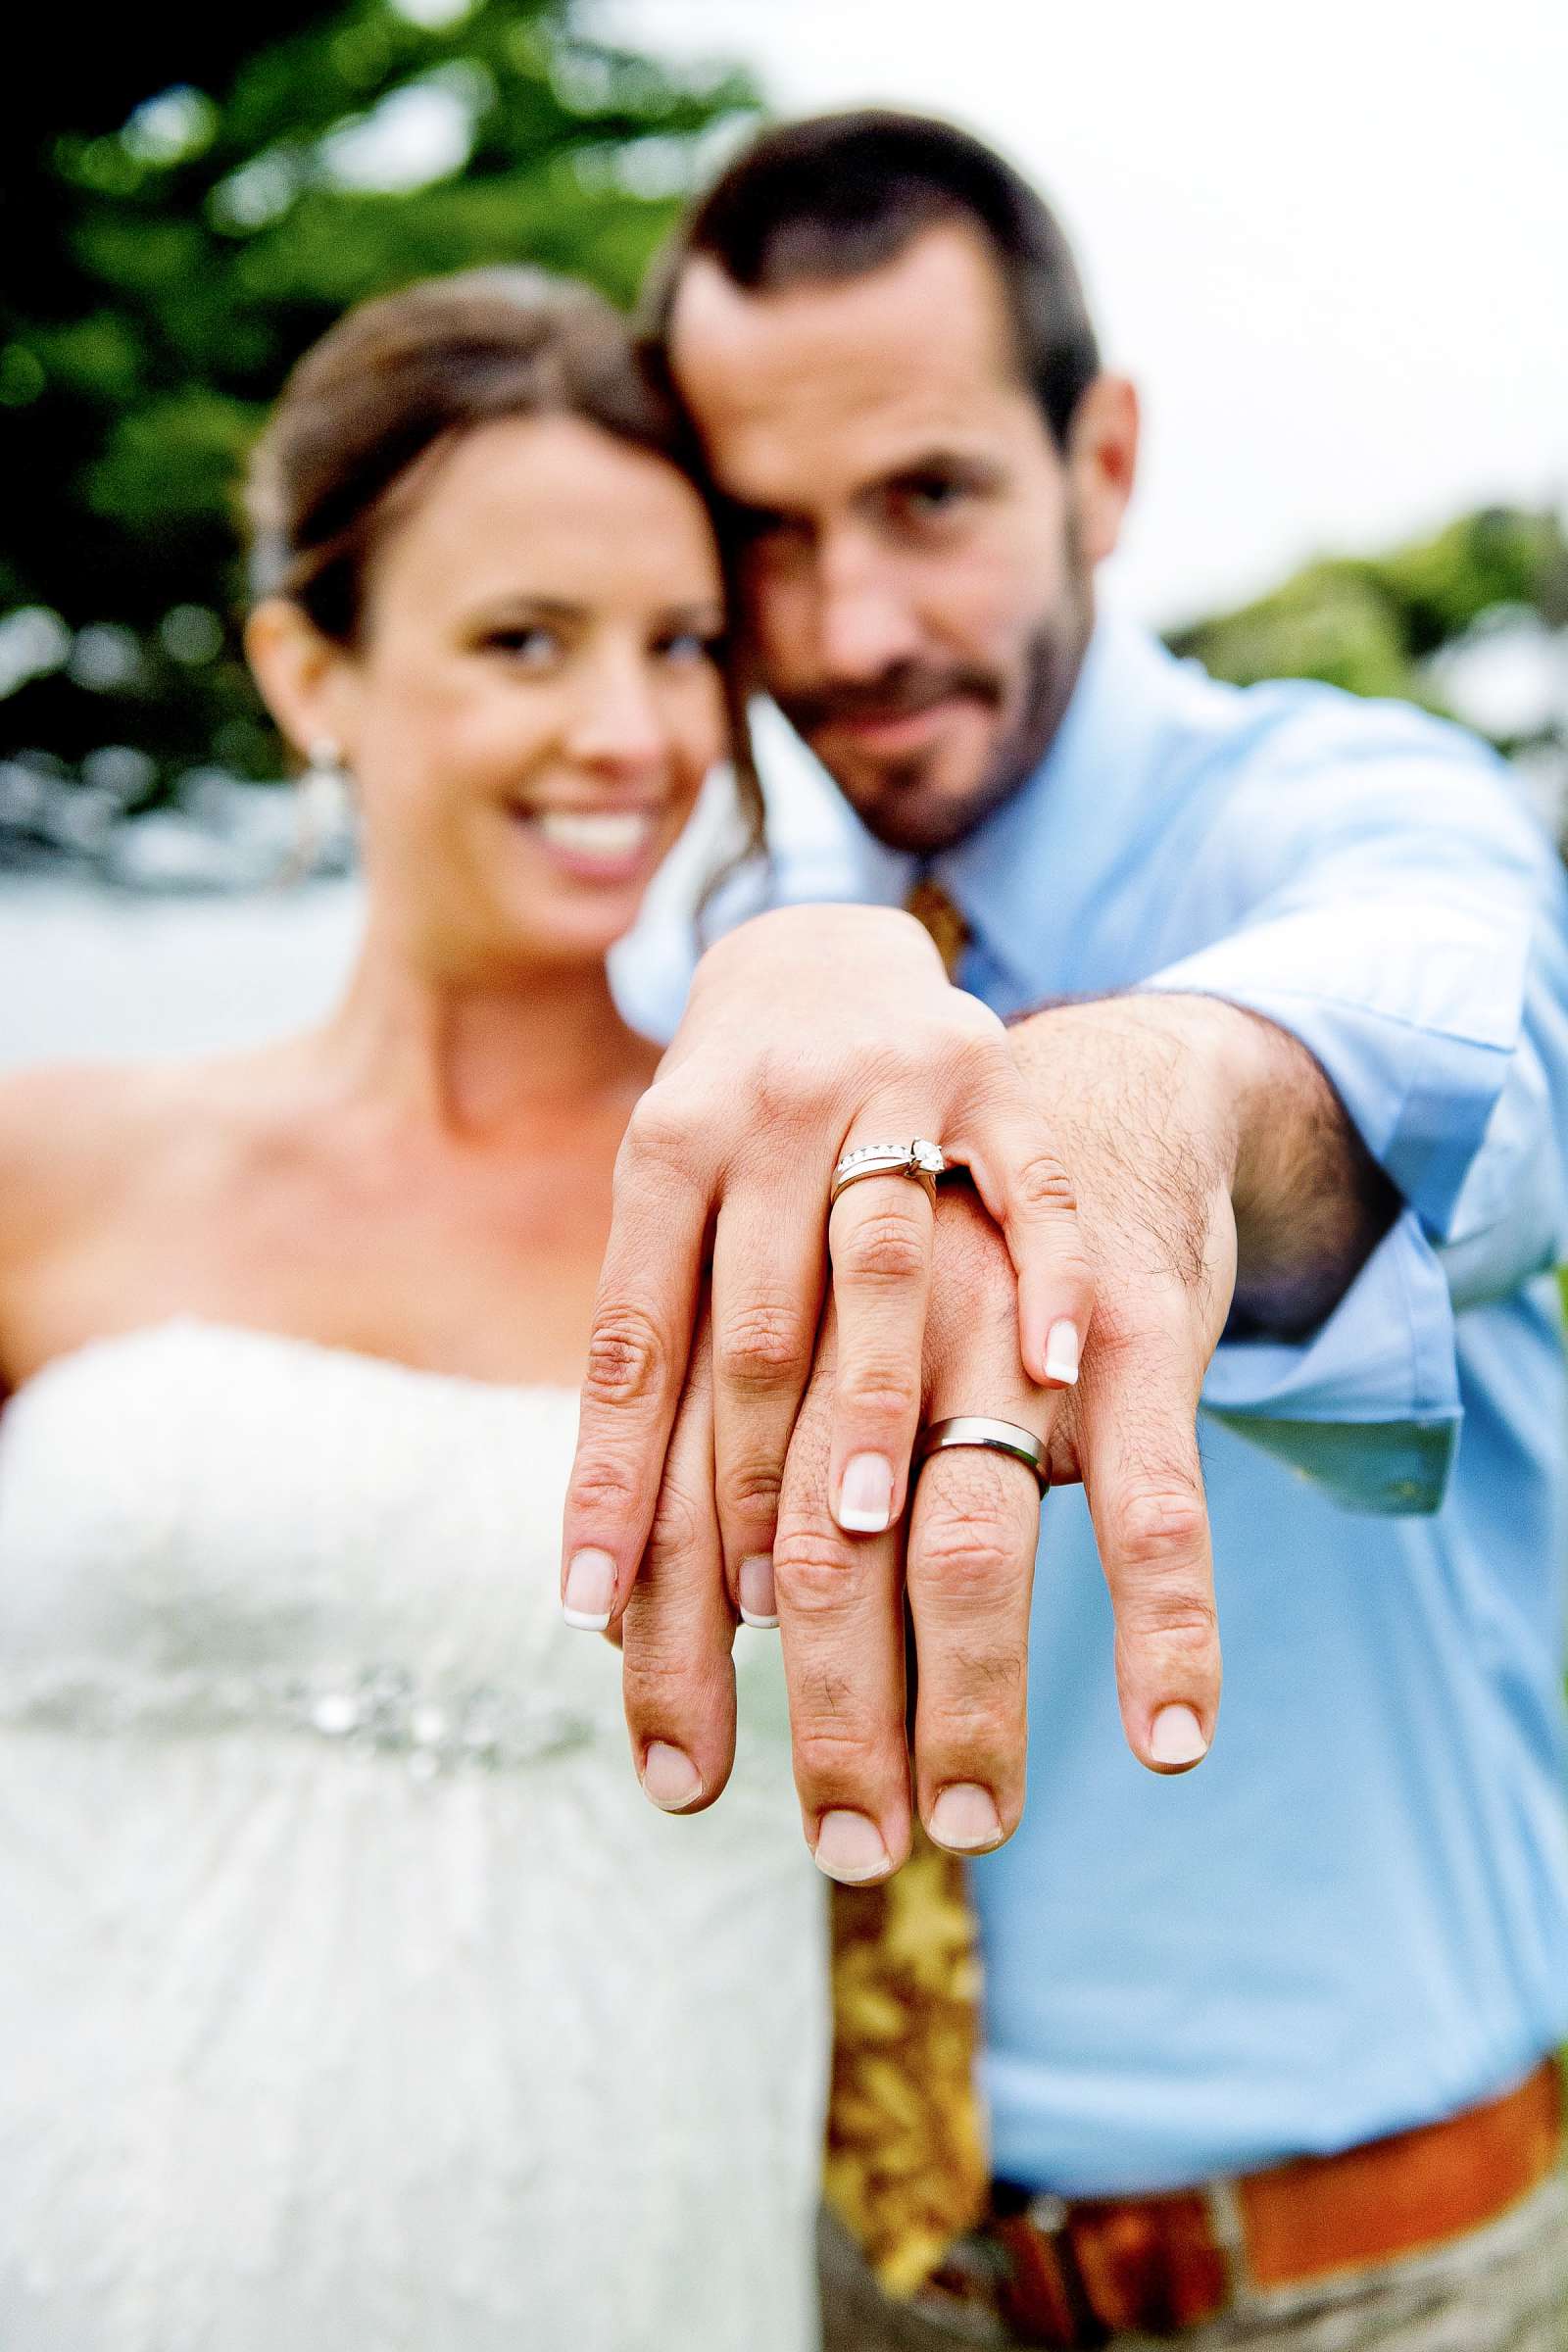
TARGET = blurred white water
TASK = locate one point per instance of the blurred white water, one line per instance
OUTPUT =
(90, 972)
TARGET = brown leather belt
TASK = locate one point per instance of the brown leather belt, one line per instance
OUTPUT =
(1075, 2272)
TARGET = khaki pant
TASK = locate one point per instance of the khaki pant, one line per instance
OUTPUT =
(1504, 2288)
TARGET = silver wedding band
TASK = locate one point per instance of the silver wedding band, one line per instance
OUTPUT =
(922, 1159)
(975, 1429)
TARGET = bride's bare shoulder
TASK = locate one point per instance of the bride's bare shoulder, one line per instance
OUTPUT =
(63, 1131)
(77, 1137)
(102, 1166)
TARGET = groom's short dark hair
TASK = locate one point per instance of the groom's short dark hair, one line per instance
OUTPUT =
(836, 196)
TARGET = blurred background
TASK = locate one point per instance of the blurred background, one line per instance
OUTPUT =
(1331, 250)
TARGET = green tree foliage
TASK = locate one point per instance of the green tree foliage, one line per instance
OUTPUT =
(187, 205)
(1376, 624)
(187, 213)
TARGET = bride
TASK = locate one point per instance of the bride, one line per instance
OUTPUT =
(351, 1993)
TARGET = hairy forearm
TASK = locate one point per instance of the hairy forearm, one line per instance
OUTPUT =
(1236, 1102)
(1312, 1203)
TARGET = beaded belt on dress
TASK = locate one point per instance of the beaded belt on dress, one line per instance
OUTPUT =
(381, 1708)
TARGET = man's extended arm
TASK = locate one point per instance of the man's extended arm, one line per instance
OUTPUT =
(1410, 968)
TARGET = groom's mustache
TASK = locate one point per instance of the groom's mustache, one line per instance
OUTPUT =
(903, 692)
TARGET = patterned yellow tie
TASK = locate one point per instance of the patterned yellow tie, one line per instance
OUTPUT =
(930, 904)
(906, 2166)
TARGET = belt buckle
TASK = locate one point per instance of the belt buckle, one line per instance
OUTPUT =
(1081, 2272)
(1043, 2296)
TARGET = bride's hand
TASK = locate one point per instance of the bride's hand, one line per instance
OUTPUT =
(810, 1031)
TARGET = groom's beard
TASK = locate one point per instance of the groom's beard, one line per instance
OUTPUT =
(903, 802)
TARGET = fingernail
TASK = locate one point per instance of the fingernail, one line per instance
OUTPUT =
(965, 1816)
(1176, 1737)
(759, 1607)
(850, 1847)
(866, 1495)
(590, 1590)
(1062, 1352)
(669, 1776)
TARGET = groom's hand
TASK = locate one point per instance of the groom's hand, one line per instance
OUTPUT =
(809, 1031)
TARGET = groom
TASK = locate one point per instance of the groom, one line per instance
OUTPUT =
(1275, 1126)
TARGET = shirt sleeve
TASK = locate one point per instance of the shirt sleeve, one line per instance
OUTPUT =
(1412, 934)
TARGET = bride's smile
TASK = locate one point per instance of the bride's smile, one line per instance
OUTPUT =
(532, 698)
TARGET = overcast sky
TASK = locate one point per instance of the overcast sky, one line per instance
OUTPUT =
(1331, 243)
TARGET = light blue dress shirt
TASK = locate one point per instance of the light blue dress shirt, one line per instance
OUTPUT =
(1354, 1917)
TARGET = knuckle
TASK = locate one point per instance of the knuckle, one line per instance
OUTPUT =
(1043, 1188)
(763, 1345)
(1186, 1627)
(629, 1359)
(974, 1548)
(831, 1753)
(814, 1573)
(604, 1486)
(980, 1727)
(1176, 1637)
(888, 1246)
(654, 1132)
(781, 1085)
(748, 1488)
(662, 1138)
(682, 1525)
(879, 1393)
(1160, 1527)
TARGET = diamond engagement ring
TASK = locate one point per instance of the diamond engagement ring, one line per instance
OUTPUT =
(923, 1161)
(974, 1429)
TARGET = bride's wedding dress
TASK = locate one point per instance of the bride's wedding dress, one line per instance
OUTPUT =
(352, 1995)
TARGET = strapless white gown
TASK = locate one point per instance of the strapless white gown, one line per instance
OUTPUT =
(352, 1995)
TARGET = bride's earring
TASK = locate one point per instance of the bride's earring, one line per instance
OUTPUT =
(323, 806)
(324, 787)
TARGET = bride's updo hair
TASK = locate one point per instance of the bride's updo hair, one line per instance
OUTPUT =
(401, 377)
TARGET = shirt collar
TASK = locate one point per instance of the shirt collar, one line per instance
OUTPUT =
(1019, 877)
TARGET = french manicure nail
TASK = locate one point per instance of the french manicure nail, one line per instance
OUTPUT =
(850, 1847)
(1062, 1352)
(964, 1818)
(866, 1495)
(758, 1604)
(1177, 1736)
(669, 1776)
(590, 1590)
